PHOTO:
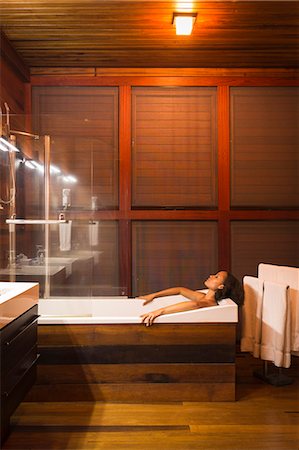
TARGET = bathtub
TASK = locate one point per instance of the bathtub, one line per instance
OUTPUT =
(98, 350)
(120, 310)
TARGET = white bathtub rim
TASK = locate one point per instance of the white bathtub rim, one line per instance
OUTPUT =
(226, 311)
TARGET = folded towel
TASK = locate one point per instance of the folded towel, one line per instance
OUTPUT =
(93, 232)
(252, 316)
(290, 276)
(65, 234)
(275, 342)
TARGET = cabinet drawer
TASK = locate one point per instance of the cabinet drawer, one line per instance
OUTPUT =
(16, 326)
(15, 375)
(10, 400)
(13, 350)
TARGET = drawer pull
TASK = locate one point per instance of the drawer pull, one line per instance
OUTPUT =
(8, 343)
(7, 394)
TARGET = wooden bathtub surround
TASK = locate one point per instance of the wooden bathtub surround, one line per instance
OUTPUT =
(18, 338)
(132, 363)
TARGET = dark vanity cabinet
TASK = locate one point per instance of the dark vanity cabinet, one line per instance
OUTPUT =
(18, 362)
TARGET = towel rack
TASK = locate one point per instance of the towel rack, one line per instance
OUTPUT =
(277, 378)
(34, 221)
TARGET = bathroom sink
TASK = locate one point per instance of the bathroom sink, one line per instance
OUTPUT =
(59, 260)
(66, 262)
(32, 270)
(87, 254)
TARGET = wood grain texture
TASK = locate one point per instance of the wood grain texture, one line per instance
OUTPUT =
(173, 253)
(163, 334)
(140, 34)
(152, 77)
(133, 382)
(83, 125)
(173, 362)
(264, 154)
(135, 392)
(255, 241)
(142, 354)
(13, 59)
(112, 373)
(264, 417)
(174, 147)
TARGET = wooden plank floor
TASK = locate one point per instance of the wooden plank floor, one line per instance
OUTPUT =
(263, 417)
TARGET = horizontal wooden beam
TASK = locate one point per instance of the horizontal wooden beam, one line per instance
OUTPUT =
(154, 80)
(166, 72)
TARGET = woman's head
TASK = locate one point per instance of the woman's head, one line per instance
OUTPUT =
(215, 282)
(226, 285)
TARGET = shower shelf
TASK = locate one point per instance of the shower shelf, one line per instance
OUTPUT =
(33, 221)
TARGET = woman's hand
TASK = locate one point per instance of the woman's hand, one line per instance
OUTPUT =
(148, 298)
(149, 318)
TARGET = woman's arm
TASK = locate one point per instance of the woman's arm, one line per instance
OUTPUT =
(149, 318)
(188, 293)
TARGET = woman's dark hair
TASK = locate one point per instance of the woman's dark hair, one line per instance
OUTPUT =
(232, 289)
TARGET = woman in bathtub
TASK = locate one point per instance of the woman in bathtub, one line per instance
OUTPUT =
(221, 285)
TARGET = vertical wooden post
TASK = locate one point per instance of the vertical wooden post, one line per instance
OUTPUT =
(223, 178)
(125, 269)
(47, 159)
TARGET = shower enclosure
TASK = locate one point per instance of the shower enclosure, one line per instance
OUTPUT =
(51, 229)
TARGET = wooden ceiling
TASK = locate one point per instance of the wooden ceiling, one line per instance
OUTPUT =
(139, 33)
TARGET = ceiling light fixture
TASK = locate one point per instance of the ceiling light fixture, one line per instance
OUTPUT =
(184, 23)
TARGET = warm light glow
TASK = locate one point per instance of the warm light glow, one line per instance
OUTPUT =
(3, 148)
(29, 164)
(54, 169)
(184, 6)
(69, 179)
(39, 166)
(184, 23)
(6, 146)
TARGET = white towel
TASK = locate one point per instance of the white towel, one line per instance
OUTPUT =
(93, 231)
(290, 276)
(252, 316)
(275, 342)
(65, 236)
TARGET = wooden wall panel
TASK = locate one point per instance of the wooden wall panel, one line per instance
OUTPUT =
(174, 146)
(253, 242)
(83, 126)
(264, 146)
(172, 253)
(12, 90)
(13, 77)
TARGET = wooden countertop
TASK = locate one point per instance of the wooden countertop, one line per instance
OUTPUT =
(17, 299)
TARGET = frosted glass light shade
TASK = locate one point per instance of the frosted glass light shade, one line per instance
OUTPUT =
(184, 23)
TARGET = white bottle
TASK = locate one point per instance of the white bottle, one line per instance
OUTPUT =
(94, 203)
(66, 198)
